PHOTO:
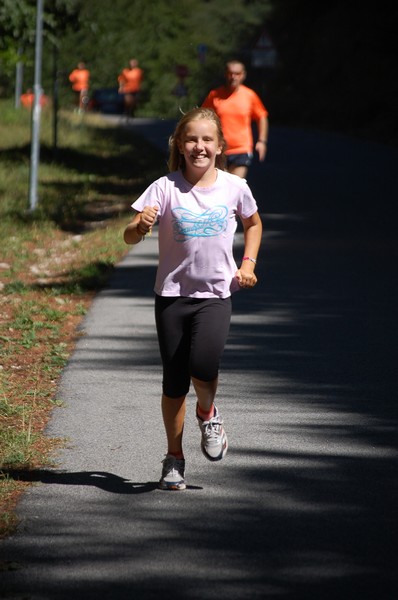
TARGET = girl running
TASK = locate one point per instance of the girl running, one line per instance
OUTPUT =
(196, 206)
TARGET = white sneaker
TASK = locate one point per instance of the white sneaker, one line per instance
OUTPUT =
(172, 474)
(214, 441)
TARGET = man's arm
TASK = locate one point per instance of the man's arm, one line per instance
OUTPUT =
(262, 141)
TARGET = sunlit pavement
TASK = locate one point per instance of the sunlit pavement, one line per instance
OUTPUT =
(303, 507)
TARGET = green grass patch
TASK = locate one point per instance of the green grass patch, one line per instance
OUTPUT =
(52, 260)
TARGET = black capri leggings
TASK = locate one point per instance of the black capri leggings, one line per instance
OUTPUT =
(192, 333)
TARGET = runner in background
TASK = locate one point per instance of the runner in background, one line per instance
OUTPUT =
(130, 80)
(28, 97)
(237, 106)
(80, 80)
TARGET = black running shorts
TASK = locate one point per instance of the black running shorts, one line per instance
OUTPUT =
(192, 333)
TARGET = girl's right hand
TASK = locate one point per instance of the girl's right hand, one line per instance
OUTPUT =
(148, 218)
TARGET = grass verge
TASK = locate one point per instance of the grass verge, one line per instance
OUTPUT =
(52, 263)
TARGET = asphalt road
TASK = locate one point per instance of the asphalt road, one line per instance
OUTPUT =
(304, 506)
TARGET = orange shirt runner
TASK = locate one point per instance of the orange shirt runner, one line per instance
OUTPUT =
(27, 99)
(80, 79)
(236, 111)
(130, 80)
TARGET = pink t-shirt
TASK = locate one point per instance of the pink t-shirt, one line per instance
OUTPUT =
(196, 233)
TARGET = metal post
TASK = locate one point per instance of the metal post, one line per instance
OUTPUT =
(36, 110)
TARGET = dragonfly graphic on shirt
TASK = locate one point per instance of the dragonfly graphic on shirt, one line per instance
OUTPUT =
(211, 222)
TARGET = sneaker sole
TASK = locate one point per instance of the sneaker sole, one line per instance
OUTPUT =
(220, 456)
(172, 487)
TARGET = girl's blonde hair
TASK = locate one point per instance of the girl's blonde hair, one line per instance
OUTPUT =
(176, 159)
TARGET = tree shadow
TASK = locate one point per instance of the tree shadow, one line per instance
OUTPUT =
(91, 277)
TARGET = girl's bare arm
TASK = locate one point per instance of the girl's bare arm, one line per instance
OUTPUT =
(140, 225)
(253, 230)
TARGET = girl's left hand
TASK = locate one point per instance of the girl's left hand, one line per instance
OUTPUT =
(245, 280)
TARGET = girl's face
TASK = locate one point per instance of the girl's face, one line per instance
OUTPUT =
(200, 145)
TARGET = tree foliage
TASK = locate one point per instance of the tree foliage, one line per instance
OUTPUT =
(18, 29)
(161, 35)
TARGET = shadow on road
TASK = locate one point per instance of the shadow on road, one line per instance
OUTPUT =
(108, 482)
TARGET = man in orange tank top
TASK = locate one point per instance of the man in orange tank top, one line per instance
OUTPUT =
(237, 106)
(130, 80)
(80, 78)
